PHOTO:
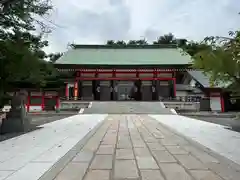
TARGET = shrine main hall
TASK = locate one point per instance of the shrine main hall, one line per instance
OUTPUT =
(131, 72)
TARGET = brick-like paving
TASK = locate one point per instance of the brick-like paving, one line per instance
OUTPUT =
(137, 147)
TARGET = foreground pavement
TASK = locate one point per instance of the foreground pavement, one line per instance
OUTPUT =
(123, 142)
(138, 147)
(29, 156)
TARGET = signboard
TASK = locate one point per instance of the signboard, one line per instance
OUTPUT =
(10, 93)
(215, 94)
(165, 75)
(51, 93)
(36, 93)
(164, 83)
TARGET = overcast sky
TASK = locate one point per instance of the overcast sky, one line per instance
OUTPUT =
(96, 21)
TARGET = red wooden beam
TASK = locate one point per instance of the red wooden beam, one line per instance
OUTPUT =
(134, 71)
(125, 79)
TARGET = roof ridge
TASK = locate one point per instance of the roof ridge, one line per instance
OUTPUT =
(115, 46)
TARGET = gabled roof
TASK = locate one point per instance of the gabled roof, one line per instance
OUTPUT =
(126, 55)
(204, 79)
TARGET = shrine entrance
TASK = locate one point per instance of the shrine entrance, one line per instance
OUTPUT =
(123, 90)
(123, 85)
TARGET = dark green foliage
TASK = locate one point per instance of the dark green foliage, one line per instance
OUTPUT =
(53, 57)
(219, 57)
(21, 54)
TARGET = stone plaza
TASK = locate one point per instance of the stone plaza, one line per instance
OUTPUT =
(125, 146)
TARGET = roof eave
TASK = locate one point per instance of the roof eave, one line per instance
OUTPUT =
(115, 46)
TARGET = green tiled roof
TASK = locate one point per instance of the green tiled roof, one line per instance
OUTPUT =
(105, 55)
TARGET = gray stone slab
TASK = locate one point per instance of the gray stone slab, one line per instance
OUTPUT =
(168, 142)
(106, 149)
(158, 135)
(204, 175)
(142, 152)
(92, 144)
(124, 143)
(97, 175)
(109, 140)
(124, 154)
(4, 174)
(139, 144)
(224, 171)
(190, 162)
(176, 150)
(102, 162)
(151, 175)
(73, 171)
(163, 157)
(125, 169)
(200, 154)
(146, 163)
(155, 146)
(150, 139)
(174, 171)
(83, 156)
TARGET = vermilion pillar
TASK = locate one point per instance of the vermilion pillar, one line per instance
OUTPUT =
(174, 87)
(57, 102)
(43, 103)
(76, 90)
(222, 104)
(28, 102)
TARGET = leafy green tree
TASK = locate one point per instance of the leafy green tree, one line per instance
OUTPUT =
(21, 53)
(166, 39)
(142, 42)
(121, 43)
(53, 57)
(219, 58)
(132, 42)
(110, 42)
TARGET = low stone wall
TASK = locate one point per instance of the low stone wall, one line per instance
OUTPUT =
(191, 106)
(71, 105)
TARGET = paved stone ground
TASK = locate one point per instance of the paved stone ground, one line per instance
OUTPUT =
(225, 121)
(36, 120)
(137, 147)
(127, 107)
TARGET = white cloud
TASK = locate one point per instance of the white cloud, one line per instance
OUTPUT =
(94, 21)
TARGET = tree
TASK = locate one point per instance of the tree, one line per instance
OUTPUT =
(121, 43)
(141, 42)
(54, 57)
(110, 42)
(132, 42)
(219, 58)
(21, 53)
(193, 48)
(166, 39)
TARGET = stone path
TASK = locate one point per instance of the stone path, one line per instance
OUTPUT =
(137, 147)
